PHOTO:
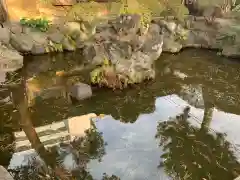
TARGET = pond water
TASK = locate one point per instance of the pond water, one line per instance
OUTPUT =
(142, 130)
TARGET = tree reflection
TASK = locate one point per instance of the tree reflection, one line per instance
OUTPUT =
(83, 149)
(190, 153)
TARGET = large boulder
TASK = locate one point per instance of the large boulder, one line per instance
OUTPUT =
(22, 42)
(130, 52)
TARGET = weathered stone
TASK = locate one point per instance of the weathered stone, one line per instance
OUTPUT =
(38, 37)
(67, 45)
(10, 60)
(80, 91)
(81, 39)
(4, 35)
(22, 42)
(153, 45)
(89, 52)
(15, 27)
(38, 49)
(56, 37)
(72, 29)
(125, 24)
(170, 45)
(231, 51)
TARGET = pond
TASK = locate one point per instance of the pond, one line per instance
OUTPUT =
(149, 131)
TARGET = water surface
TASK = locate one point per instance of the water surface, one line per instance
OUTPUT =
(197, 78)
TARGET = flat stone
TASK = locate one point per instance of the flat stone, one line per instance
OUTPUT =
(4, 174)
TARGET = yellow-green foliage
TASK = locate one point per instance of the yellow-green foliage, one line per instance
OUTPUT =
(54, 47)
(106, 75)
(97, 74)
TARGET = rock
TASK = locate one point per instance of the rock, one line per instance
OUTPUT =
(73, 29)
(171, 27)
(231, 51)
(170, 45)
(38, 37)
(138, 68)
(4, 35)
(67, 45)
(38, 49)
(15, 27)
(131, 53)
(22, 42)
(10, 60)
(126, 24)
(56, 37)
(153, 45)
(89, 52)
(80, 91)
(4, 174)
(81, 39)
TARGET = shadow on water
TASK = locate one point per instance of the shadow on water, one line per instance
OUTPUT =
(200, 78)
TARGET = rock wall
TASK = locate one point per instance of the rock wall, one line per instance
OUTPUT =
(120, 39)
(222, 35)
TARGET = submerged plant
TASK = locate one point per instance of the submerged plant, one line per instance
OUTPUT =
(41, 24)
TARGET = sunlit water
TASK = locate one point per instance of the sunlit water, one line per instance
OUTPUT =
(192, 78)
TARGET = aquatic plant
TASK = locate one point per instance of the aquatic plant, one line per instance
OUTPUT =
(106, 76)
(41, 24)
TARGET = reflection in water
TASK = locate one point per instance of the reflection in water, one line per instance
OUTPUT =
(81, 150)
(193, 75)
(190, 153)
